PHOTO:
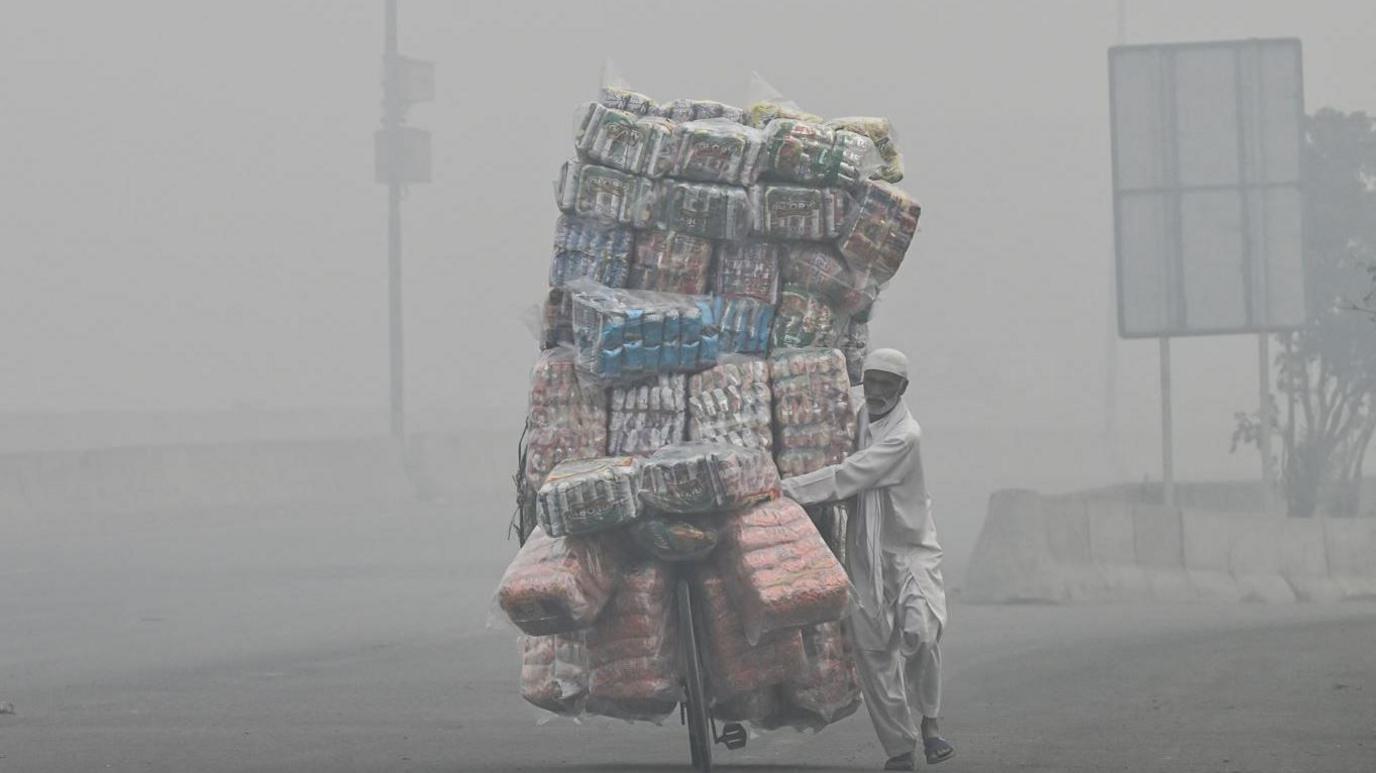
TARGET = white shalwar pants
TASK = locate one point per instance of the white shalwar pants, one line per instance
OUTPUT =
(902, 683)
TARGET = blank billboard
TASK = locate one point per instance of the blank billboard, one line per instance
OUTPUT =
(1207, 208)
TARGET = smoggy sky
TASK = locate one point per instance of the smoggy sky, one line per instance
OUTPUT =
(189, 220)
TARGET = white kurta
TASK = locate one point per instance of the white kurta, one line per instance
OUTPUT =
(894, 561)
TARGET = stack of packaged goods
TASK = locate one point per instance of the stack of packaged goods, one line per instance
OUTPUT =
(712, 277)
(633, 649)
(732, 403)
(647, 416)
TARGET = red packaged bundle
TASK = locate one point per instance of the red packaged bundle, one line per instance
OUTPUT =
(779, 572)
(633, 649)
(567, 418)
(734, 665)
(559, 584)
(878, 230)
(554, 673)
(671, 262)
(825, 686)
(813, 413)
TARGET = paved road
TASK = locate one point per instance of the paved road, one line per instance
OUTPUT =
(298, 641)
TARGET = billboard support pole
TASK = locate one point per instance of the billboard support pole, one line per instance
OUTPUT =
(1266, 416)
(1167, 438)
(392, 125)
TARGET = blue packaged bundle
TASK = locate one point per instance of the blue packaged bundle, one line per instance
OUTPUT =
(623, 335)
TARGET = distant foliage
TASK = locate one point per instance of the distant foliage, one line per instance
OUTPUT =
(1326, 379)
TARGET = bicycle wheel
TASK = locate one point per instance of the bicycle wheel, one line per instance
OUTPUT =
(699, 725)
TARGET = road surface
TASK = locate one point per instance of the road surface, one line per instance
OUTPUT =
(314, 641)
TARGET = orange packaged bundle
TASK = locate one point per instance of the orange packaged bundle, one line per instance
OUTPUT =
(734, 665)
(554, 673)
(825, 686)
(633, 649)
(779, 572)
(559, 584)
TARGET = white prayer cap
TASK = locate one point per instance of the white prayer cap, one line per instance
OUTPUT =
(888, 361)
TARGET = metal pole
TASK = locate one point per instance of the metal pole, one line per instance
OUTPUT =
(392, 125)
(1167, 439)
(1267, 418)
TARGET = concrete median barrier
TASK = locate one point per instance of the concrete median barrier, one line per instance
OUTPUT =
(1101, 547)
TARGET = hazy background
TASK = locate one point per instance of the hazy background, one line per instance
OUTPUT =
(193, 246)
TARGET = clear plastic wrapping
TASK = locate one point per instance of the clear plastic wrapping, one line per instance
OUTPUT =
(797, 212)
(814, 418)
(559, 584)
(814, 154)
(735, 666)
(885, 140)
(556, 319)
(674, 539)
(584, 496)
(618, 97)
(567, 417)
(749, 269)
(700, 477)
(591, 190)
(554, 672)
(778, 571)
(824, 686)
(585, 247)
(717, 151)
(684, 110)
(820, 270)
(671, 262)
(647, 416)
(855, 345)
(743, 324)
(642, 145)
(732, 403)
(633, 649)
(626, 335)
(700, 209)
(880, 226)
(804, 319)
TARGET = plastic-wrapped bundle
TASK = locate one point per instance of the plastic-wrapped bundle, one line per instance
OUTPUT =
(825, 684)
(683, 110)
(880, 227)
(589, 495)
(584, 247)
(814, 417)
(590, 190)
(556, 320)
(567, 418)
(645, 417)
(803, 320)
(624, 140)
(671, 262)
(559, 584)
(735, 666)
(818, 269)
(778, 571)
(744, 324)
(619, 98)
(554, 672)
(760, 114)
(881, 133)
(700, 477)
(717, 151)
(796, 212)
(855, 344)
(625, 335)
(633, 649)
(749, 269)
(731, 403)
(813, 154)
(673, 539)
(701, 209)
(755, 706)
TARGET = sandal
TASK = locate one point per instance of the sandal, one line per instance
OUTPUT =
(937, 749)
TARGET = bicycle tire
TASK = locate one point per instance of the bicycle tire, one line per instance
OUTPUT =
(699, 724)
